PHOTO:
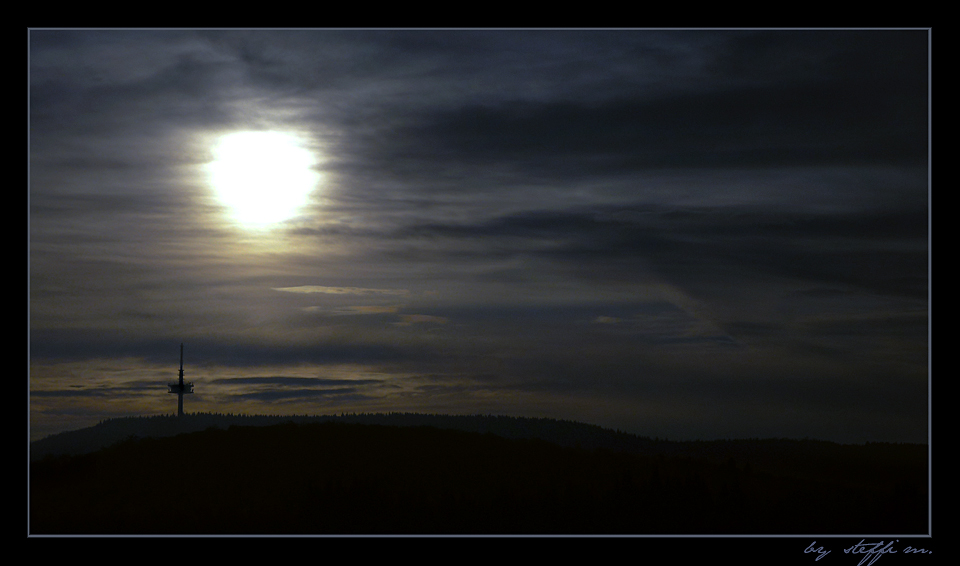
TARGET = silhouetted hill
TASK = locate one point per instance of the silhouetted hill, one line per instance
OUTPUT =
(337, 477)
(801, 458)
(563, 433)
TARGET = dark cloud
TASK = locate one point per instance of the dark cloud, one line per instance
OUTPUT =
(349, 394)
(76, 345)
(757, 127)
(837, 56)
(766, 100)
(886, 251)
(93, 389)
(76, 393)
(293, 381)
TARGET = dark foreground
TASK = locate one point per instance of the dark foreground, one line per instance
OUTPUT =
(337, 478)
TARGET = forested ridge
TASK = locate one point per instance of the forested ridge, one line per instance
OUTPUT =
(340, 477)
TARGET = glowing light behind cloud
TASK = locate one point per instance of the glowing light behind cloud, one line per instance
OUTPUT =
(263, 177)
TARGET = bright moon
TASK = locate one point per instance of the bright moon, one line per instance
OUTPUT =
(263, 177)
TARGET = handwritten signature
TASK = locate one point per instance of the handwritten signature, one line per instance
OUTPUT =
(871, 551)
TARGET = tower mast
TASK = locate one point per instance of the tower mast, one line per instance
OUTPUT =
(180, 387)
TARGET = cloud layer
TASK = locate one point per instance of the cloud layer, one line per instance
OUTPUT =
(689, 234)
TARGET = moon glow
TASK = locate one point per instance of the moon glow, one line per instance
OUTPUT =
(262, 177)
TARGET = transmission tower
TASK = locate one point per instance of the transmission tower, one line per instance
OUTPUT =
(180, 387)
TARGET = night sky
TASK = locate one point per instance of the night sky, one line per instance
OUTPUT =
(677, 233)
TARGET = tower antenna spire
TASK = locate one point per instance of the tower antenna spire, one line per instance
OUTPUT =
(180, 387)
